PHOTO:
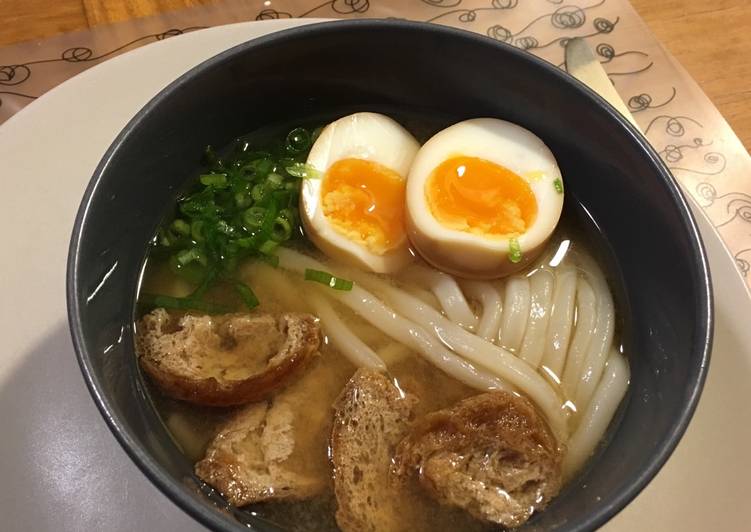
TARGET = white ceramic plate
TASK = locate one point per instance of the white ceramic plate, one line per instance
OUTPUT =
(61, 468)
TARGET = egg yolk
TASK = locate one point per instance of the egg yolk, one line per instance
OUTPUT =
(364, 201)
(478, 196)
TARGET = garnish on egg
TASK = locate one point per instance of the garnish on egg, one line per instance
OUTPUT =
(514, 250)
(480, 192)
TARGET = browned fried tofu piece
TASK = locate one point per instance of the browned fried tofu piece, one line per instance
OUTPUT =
(276, 450)
(246, 460)
(371, 416)
(226, 360)
(491, 454)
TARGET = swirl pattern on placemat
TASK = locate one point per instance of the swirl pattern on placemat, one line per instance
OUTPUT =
(14, 74)
(674, 125)
(643, 101)
(742, 259)
(727, 208)
(17, 74)
(271, 14)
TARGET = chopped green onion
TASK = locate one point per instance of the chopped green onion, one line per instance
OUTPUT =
(268, 247)
(247, 295)
(245, 243)
(201, 204)
(196, 230)
(329, 280)
(214, 180)
(182, 303)
(186, 256)
(274, 181)
(224, 227)
(514, 250)
(268, 219)
(281, 230)
(303, 171)
(163, 238)
(289, 214)
(243, 205)
(243, 199)
(260, 167)
(258, 192)
(181, 226)
(558, 185)
(281, 197)
(253, 217)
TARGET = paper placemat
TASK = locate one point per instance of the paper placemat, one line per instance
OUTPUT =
(680, 122)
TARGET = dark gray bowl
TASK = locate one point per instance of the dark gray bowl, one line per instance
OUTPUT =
(409, 70)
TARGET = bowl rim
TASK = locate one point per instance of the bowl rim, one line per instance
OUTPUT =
(216, 521)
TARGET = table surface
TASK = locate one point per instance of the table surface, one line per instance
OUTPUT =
(710, 39)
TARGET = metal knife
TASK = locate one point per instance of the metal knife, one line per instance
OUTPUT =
(582, 63)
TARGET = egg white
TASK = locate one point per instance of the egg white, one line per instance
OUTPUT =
(370, 136)
(470, 254)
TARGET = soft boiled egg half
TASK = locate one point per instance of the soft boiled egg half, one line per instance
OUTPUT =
(483, 197)
(356, 211)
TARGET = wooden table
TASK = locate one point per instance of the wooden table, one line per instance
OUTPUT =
(711, 39)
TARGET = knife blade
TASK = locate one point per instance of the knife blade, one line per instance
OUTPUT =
(584, 66)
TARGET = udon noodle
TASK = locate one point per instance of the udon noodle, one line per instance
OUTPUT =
(546, 333)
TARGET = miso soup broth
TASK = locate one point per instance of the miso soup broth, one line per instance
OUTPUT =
(235, 255)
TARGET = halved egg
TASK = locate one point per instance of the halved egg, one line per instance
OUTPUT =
(356, 211)
(483, 197)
